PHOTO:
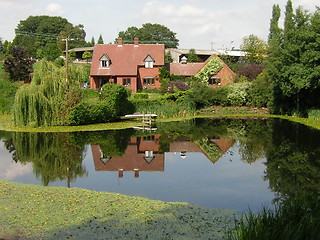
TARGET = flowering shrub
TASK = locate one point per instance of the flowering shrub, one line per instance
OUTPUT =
(238, 94)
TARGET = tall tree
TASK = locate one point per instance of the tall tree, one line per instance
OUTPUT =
(36, 32)
(293, 62)
(151, 33)
(100, 40)
(275, 30)
(93, 42)
(255, 49)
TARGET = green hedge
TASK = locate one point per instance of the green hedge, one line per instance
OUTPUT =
(92, 112)
(140, 96)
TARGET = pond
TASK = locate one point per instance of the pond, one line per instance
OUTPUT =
(215, 163)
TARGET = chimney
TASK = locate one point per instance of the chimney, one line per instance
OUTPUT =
(119, 41)
(136, 42)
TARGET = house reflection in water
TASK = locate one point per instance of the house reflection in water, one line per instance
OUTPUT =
(144, 154)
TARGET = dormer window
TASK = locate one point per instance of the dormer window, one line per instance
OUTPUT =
(148, 62)
(105, 62)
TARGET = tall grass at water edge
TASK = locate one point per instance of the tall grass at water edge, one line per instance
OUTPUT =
(164, 109)
(314, 114)
(293, 220)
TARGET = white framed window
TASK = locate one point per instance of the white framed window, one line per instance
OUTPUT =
(105, 62)
(148, 81)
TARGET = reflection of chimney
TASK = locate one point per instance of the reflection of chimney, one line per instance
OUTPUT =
(136, 172)
(136, 42)
(119, 41)
(120, 175)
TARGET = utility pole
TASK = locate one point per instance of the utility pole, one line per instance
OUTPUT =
(67, 63)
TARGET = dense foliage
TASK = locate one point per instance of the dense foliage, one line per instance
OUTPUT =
(151, 33)
(39, 35)
(112, 104)
(255, 49)
(18, 64)
(48, 99)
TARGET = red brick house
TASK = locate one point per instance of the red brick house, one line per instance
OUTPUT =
(136, 66)
(224, 77)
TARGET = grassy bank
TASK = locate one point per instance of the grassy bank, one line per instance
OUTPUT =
(37, 212)
(230, 112)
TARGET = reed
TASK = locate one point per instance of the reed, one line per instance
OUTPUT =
(292, 220)
(314, 114)
(164, 109)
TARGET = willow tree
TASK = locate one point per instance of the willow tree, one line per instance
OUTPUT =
(47, 100)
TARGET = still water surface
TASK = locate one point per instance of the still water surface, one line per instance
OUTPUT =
(216, 163)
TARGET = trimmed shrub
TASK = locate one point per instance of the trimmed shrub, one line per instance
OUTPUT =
(119, 95)
(93, 112)
(140, 96)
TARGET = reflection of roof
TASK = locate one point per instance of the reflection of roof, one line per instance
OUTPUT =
(129, 161)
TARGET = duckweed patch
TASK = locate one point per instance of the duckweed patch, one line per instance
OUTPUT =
(36, 212)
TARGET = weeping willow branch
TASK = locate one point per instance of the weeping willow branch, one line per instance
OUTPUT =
(46, 101)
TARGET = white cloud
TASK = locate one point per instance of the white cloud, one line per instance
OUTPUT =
(54, 9)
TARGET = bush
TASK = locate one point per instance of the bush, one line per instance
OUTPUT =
(250, 71)
(260, 92)
(93, 112)
(178, 86)
(118, 95)
(238, 94)
(219, 96)
(200, 95)
(140, 96)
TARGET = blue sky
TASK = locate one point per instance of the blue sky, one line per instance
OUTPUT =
(199, 24)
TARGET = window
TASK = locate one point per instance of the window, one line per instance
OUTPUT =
(105, 62)
(148, 62)
(126, 81)
(214, 81)
(148, 81)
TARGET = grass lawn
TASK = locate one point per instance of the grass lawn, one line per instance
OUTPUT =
(37, 212)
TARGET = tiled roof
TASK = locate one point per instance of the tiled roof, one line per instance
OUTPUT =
(188, 69)
(125, 58)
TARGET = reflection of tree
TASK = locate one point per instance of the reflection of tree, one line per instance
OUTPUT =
(293, 165)
(112, 143)
(53, 155)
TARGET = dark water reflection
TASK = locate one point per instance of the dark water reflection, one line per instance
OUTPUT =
(230, 163)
